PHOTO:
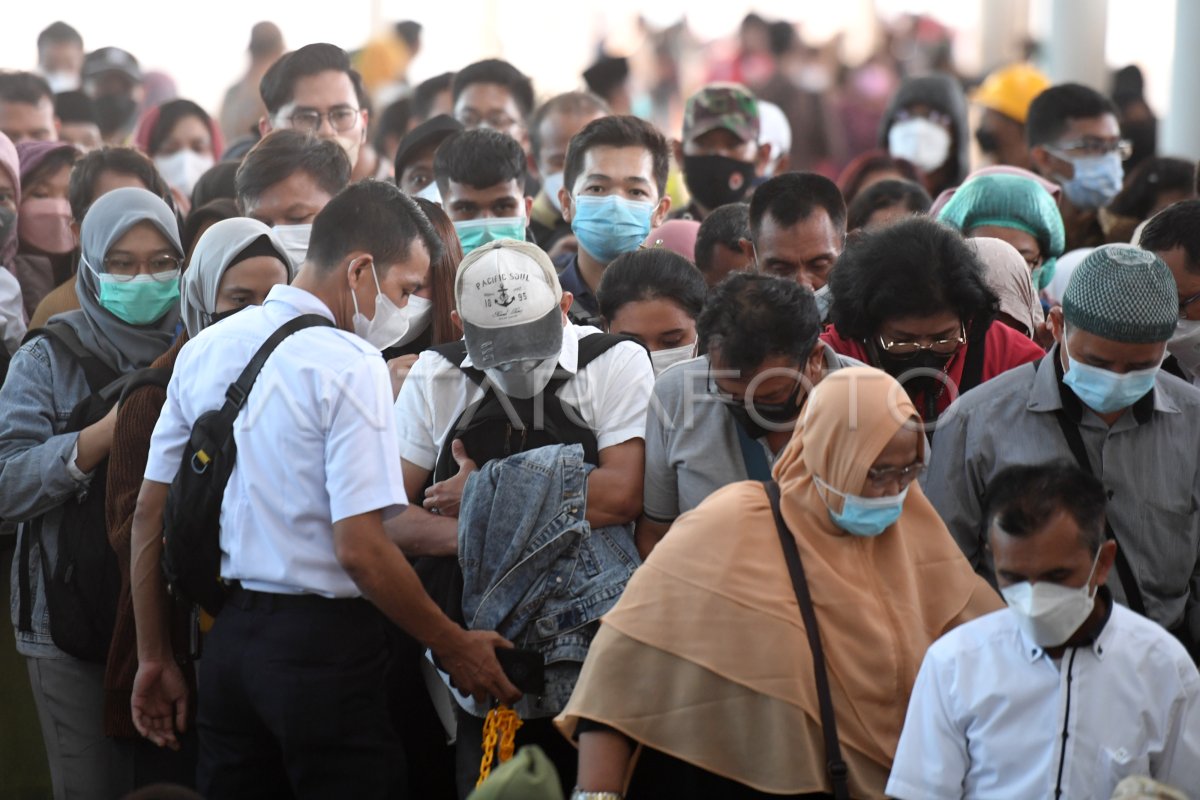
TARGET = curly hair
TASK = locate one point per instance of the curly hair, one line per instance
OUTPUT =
(914, 268)
(751, 316)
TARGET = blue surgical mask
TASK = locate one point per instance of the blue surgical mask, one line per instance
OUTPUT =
(1103, 391)
(1097, 180)
(611, 225)
(863, 516)
(141, 299)
(475, 233)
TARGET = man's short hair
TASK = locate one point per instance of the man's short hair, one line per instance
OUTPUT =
(501, 73)
(24, 87)
(750, 317)
(1021, 500)
(278, 85)
(393, 122)
(284, 152)
(624, 131)
(374, 217)
(59, 33)
(573, 103)
(727, 225)
(479, 158)
(792, 197)
(1052, 111)
(1177, 225)
(81, 190)
(425, 95)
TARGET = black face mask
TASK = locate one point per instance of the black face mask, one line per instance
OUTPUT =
(774, 413)
(114, 112)
(987, 141)
(915, 385)
(215, 318)
(715, 181)
(7, 220)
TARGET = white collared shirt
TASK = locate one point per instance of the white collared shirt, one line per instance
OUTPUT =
(611, 393)
(990, 709)
(316, 443)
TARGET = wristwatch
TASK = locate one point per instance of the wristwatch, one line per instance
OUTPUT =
(579, 794)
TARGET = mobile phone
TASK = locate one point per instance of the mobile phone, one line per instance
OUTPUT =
(525, 668)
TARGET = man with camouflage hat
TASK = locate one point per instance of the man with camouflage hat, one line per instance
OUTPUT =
(720, 153)
(1098, 399)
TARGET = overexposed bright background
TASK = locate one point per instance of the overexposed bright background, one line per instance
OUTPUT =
(203, 46)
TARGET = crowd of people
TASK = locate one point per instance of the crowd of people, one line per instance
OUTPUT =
(515, 446)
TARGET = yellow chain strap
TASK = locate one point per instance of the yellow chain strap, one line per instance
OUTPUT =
(500, 727)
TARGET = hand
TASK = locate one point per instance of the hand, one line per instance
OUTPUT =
(444, 498)
(160, 702)
(1043, 335)
(473, 666)
(564, 246)
(398, 368)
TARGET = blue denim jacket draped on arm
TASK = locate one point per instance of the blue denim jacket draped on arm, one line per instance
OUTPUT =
(533, 568)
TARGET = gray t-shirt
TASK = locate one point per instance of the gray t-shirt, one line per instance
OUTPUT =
(692, 444)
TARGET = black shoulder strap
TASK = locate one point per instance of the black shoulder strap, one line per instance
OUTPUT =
(97, 373)
(595, 345)
(972, 374)
(456, 354)
(838, 772)
(149, 376)
(239, 390)
(1133, 592)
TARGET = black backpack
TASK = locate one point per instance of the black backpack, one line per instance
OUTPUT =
(191, 556)
(82, 588)
(498, 426)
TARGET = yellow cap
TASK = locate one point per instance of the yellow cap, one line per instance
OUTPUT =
(1011, 89)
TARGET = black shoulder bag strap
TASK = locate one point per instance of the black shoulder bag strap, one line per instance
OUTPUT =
(838, 772)
(1133, 592)
(972, 374)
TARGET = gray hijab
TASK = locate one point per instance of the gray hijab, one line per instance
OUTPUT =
(214, 253)
(122, 346)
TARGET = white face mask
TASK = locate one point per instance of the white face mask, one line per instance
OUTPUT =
(661, 359)
(923, 142)
(294, 239)
(550, 185)
(1050, 613)
(430, 193)
(419, 312)
(1185, 346)
(523, 379)
(389, 323)
(62, 81)
(183, 168)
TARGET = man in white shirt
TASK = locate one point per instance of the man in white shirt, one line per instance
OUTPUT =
(1064, 693)
(292, 698)
(520, 359)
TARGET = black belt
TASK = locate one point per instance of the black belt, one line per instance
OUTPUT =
(247, 599)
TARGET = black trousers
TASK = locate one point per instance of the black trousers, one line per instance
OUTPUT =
(541, 732)
(293, 702)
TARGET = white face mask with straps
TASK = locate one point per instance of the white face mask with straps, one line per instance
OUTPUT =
(389, 323)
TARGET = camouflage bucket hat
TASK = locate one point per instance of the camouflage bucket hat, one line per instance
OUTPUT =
(722, 105)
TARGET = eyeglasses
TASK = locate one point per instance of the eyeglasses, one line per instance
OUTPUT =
(883, 477)
(729, 400)
(1183, 304)
(124, 269)
(942, 347)
(341, 119)
(1093, 146)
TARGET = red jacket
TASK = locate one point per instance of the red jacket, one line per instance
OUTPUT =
(1004, 349)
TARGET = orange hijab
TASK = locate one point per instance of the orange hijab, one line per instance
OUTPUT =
(713, 615)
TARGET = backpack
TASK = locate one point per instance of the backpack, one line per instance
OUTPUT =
(191, 555)
(83, 587)
(488, 430)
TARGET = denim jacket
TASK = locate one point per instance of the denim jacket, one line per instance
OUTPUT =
(533, 568)
(41, 389)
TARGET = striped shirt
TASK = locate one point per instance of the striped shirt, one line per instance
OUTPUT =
(1149, 462)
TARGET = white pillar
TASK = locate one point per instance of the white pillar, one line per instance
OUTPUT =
(1181, 123)
(1003, 29)
(1076, 43)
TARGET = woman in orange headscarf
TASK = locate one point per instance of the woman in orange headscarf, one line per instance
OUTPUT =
(703, 670)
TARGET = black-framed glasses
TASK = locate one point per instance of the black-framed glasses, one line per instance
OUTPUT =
(942, 347)
(1183, 304)
(123, 268)
(341, 119)
(725, 397)
(1094, 146)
